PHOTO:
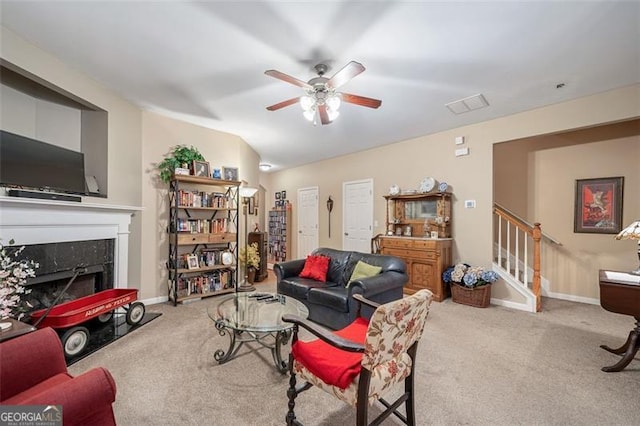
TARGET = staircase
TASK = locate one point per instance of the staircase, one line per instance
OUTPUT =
(516, 256)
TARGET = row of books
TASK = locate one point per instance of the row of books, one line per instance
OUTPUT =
(196, 226)
(204, 284)
(203, 199)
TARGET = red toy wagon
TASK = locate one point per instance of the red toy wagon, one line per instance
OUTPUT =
(67, 318)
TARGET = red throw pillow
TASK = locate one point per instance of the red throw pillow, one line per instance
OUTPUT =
(316, 267)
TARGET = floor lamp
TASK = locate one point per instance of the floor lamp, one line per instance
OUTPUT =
(246, 192)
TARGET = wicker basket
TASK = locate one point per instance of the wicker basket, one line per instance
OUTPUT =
(478, 296)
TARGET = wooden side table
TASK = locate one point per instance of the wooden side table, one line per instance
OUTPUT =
(620, 293)
(18, 328)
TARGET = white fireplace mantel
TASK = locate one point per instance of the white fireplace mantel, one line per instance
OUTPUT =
(33, 221)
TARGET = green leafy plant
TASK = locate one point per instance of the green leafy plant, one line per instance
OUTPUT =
(251, 256)
(180, 154)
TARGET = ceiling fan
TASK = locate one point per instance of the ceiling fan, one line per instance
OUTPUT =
(321, 97)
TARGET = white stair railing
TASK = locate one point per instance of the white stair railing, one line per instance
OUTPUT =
(514, 239)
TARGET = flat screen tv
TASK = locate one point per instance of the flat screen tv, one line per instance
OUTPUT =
(32, 164)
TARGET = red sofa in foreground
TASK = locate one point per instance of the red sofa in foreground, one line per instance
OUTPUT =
(33, 371)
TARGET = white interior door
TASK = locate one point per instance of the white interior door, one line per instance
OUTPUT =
(307, 221)
(357, 215)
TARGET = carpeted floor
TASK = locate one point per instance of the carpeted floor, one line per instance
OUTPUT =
(475, 366)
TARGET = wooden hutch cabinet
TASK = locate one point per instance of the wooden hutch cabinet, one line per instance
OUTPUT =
(419, 231)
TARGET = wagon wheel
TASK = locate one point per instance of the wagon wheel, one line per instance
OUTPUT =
(104, 318)
(135, 313)
(75, 340)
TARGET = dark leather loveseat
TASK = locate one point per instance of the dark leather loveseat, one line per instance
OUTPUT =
(331, 303)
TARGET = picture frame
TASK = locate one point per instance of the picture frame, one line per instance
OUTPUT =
(192, 262)
(278, 195)
(252, 205)
(283, 195)
(230, 173)
(598, 205)
(201, 168)
(434, 234)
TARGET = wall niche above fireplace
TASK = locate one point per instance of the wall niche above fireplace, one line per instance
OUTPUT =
(37, 109)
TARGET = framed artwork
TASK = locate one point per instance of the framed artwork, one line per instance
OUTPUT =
(192, 261)
(201, 168)
(230, 173)
(598, 205)
(252, 205)
(283, 195)
(277, 195)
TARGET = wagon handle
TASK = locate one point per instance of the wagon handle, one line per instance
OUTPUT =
(76, 271)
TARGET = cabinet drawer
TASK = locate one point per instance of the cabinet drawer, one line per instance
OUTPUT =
(395, 243)
(424, 244)
(410, 254)
(205, 238)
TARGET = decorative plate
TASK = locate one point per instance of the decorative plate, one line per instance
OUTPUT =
(427, 184)
(443, 186)
(227, 258)
(394, 190)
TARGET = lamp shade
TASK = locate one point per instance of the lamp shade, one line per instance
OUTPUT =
(247, 191)
(631, 232)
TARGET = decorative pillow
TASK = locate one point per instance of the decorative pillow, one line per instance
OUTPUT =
(363, 270)
(316, 267)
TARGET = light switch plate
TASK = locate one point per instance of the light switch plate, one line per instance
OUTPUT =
(462, 151)
(459, 140)
(469, 204)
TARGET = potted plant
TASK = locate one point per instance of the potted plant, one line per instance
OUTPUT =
(470, 285)
(250, 259)
(179, 156)
(13, 278)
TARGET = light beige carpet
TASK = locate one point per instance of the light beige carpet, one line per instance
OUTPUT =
(475, 366)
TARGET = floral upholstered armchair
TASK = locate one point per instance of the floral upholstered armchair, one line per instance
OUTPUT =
(360, 363)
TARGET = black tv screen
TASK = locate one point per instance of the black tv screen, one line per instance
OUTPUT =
(26, 162)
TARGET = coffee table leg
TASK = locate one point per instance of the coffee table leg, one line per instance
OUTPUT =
(282, 337)
(220, 355)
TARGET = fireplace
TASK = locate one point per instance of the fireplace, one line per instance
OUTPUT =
(61, 235)
(90, 262)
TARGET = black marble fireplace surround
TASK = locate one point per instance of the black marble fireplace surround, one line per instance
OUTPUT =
(58, 262)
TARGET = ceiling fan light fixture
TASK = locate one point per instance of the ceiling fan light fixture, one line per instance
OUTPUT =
(333, 114)
(309, 114)
(333, 102)
(307, 103)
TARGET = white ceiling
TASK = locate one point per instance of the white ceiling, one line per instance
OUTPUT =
(204, 62)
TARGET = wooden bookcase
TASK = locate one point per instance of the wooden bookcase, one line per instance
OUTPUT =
(279, 235)
(203, 237)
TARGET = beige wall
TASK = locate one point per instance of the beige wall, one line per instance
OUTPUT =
(124, 131)
(548, 167)
(470, 177)
(160, 134)
(139, 140)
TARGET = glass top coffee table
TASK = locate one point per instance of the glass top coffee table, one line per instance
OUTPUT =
(255, 317)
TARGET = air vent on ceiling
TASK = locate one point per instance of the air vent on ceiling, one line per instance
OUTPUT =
(467, 104)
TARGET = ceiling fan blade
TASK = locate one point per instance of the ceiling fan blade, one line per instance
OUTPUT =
(324, 116)
(283, 104)
(360, 100)
(284, 77)
(345, 74)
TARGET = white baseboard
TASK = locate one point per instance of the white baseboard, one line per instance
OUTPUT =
(155, 300)
(572, 298)
(513, 305)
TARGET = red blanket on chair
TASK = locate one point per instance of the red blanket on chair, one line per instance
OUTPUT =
(334, 366)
